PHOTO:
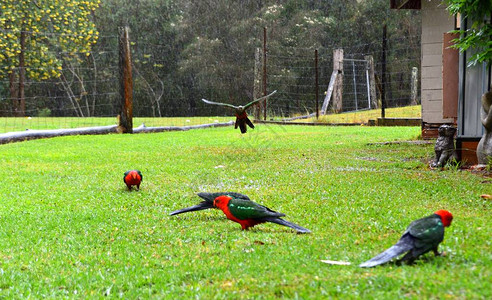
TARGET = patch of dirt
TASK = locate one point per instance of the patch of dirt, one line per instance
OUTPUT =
(481, 170)
(418, 142)
(371, 159)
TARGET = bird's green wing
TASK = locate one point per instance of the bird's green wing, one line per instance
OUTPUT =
(218, 103)
(259, 99)
(246, 209)
(427, 231)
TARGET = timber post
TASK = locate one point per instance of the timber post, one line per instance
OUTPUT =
(316, 72)
(414, 92)
(338, 88)
(264, 72)
(383, 74)
(126, 82)
(257, 90)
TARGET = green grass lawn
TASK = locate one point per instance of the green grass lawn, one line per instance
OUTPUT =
(69, 229)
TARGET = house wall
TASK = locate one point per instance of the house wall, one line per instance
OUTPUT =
(435, 22)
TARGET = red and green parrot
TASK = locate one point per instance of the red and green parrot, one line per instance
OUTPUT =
(421, 236)
(240, 111)
(248, 213)
(132, 178)
(208, 201)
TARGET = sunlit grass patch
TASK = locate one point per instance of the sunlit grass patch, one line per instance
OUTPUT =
(10, 124)
(363, 116)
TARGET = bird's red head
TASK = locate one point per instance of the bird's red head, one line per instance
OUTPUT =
(222, 201)
(446, 217)
(133, 177)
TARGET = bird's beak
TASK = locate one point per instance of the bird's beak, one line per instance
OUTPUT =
(206, 196)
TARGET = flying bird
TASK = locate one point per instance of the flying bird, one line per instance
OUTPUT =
(133, 178)
(208, 201)
(421, 236)
(240, 111)
(248, 213)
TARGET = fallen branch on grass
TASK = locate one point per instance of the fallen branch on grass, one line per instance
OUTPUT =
(144, 129)
(20, 136)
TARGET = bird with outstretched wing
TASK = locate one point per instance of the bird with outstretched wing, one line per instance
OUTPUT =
(240, 111)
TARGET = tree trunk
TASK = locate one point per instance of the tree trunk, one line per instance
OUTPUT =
(126, 81)
(20, 108)
(13, 91)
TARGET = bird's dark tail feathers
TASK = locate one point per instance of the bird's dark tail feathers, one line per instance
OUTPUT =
(404, 244)
(250, 124)
(242, 125)
(283, 222)
(202, 205)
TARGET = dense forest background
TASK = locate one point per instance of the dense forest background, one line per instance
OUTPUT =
(186, 50)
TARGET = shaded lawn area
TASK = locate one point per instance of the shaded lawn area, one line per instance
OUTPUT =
(68, 227)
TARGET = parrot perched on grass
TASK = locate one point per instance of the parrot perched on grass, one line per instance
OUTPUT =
(208, 201)
(421, 236)
(248, 213)
(132, 178)
(240, 111)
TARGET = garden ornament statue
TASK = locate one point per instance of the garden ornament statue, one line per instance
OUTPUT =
(484, 148)
(444, 148)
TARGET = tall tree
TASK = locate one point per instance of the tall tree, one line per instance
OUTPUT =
(36, 37)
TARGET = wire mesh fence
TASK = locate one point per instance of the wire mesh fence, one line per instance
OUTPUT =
(84, 94)
(293, 73)
(357, 86)
(87, 91)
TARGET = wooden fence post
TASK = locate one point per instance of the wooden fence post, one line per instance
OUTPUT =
(414, 92)
(338, 88)
(264, 72)
(383, 75)
(126, 82)
(257, 90)
(316, 84)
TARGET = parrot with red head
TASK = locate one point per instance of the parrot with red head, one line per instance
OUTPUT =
(248, 213)
(133, 178)
(420, 237)
(208, 201)
(240, 111)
